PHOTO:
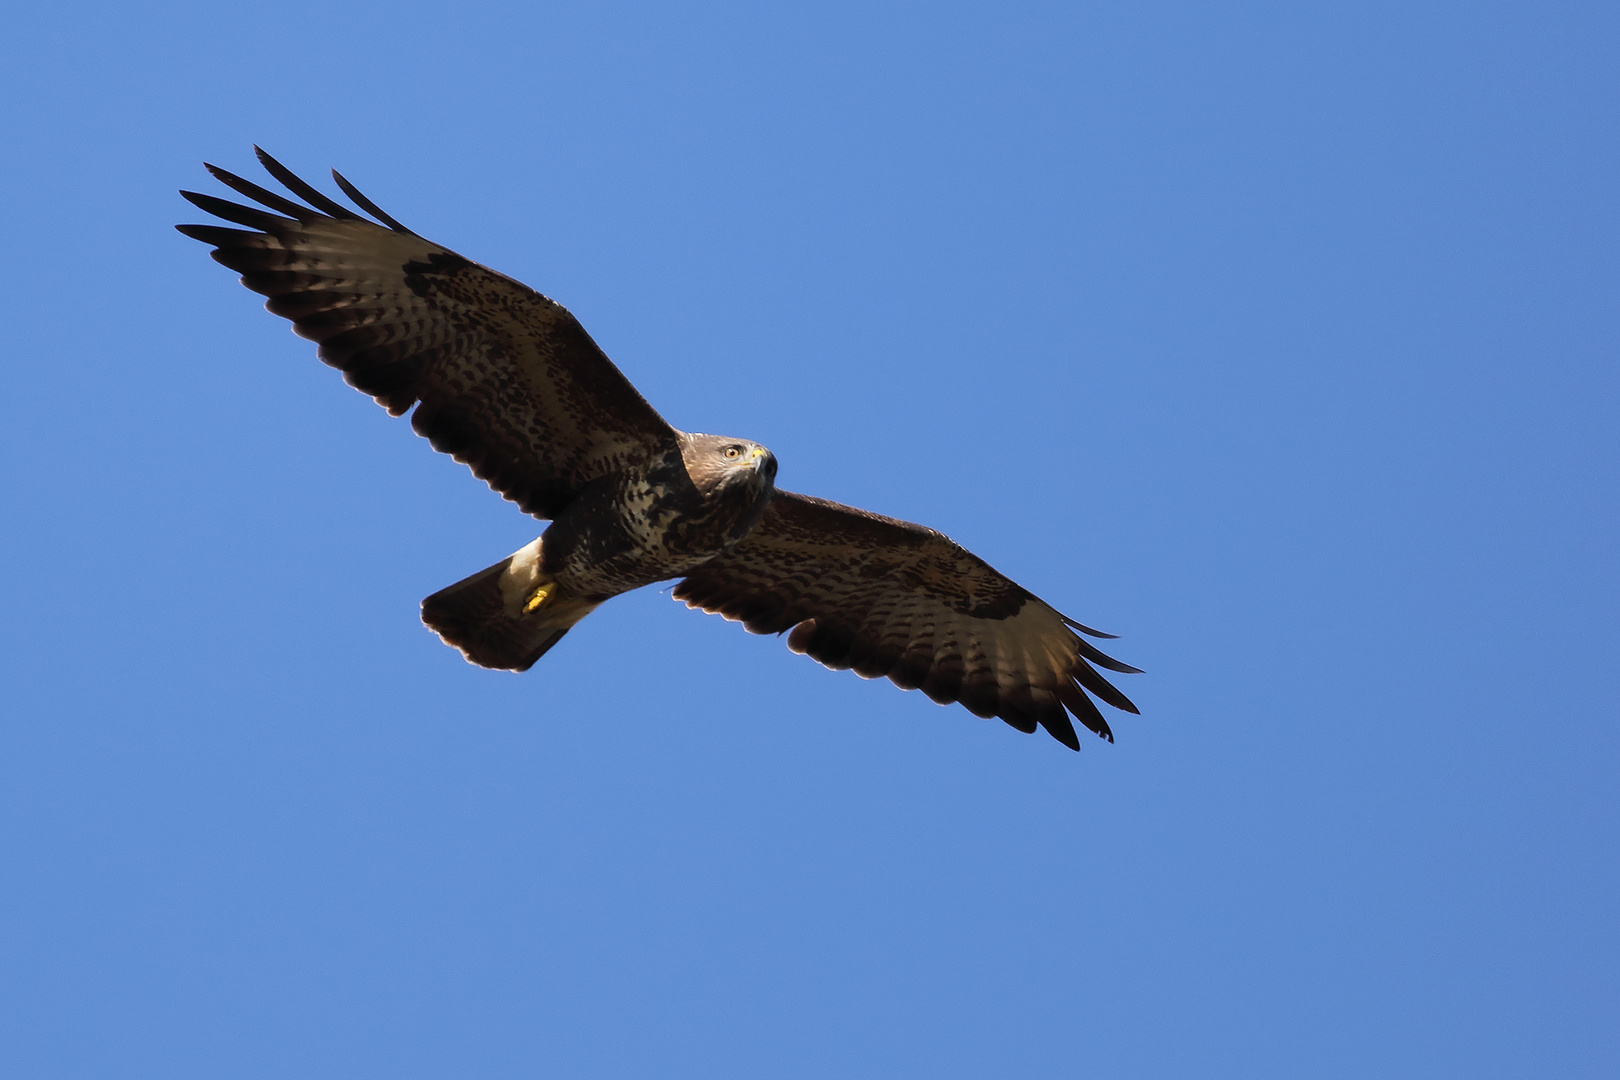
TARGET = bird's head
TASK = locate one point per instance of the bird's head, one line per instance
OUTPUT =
(729, 468)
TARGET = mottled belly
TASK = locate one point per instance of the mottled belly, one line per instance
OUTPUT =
(644, 532)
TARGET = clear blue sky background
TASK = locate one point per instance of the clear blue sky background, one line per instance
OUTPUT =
(1279, 339)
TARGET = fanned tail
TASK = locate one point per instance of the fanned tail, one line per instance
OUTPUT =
(506, 615)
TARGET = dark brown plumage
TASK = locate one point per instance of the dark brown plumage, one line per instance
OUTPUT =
(882, 597)
(508, 382)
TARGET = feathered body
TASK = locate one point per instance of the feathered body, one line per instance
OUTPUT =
(657, 520)
(508, 382)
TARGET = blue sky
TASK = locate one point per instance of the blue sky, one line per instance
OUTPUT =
(1278, 339)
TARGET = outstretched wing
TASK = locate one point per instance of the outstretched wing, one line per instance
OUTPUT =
(885, 597)
(508, 381)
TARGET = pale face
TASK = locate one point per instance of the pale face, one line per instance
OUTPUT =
(716, 462)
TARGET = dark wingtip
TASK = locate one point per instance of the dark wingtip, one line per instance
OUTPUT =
(303, 189)
(366, 204)
(236, 212)
(1101, 688)
(260, 195)
(1084, 629)
(270, 164)
(214, 234)
(1062, 730)
(1085, 710)
(1102, 659)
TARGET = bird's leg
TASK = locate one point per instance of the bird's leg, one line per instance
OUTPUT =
(541, 595)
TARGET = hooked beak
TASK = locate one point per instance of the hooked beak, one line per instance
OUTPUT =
(764, 461)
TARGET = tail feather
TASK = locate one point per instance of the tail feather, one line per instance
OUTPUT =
(484, 615)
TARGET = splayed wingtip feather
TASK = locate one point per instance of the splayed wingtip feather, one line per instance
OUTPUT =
(367, 205)
(303, 189)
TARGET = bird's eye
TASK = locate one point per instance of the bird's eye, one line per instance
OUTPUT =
(733, 451)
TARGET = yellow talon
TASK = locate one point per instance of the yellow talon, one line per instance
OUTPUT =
(540, 596)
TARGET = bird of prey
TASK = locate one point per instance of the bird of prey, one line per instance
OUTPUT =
(506, 381)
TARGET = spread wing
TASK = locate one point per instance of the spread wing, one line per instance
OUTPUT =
(507, 380)
(885, 597)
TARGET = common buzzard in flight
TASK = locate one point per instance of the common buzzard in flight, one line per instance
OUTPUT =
(507, 381)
